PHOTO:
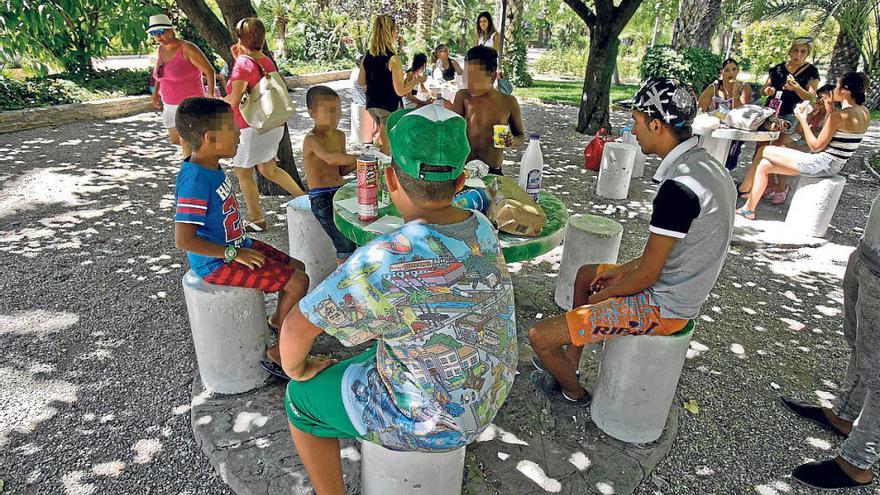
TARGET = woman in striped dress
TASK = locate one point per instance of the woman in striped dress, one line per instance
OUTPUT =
(837, 141)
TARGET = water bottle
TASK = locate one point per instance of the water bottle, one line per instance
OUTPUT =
(531, 168)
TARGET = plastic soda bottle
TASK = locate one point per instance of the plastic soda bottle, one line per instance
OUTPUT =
(531, 168)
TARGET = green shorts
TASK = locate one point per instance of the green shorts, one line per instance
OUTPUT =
(315, 406)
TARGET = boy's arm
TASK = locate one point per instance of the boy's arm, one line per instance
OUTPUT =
(343, 171)
(336, 159)
(185, 239)
(517, 135)
(458, 102)
(295, 342)
(643, 275)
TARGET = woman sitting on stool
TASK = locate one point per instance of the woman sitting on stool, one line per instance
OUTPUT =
(840, 137)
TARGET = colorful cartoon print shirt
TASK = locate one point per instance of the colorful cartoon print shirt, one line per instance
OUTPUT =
(205, 197)
(440, 302)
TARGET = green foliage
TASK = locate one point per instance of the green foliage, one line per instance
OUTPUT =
(75, 87)
(454, 24)
(72, 32)
(566, 30)
(568, 92)
(298, 67)
(695, 66)
(561, 62)
(320, 39)
(766, 43)
(514, 58)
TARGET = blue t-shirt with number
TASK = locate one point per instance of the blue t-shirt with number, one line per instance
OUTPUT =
(204, 197)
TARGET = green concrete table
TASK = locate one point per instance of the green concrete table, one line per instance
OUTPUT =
(515, 248)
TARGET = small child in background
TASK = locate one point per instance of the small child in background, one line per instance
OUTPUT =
(326, 162)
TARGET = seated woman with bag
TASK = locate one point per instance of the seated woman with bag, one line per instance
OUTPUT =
(255, 148)
(839, 138)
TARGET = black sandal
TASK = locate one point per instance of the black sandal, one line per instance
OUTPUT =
(275, 370)
(824, 475)
(812, 413)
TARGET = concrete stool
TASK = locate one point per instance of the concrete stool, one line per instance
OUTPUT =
(362, 125)
(229, 334)
(389, 472)
(636, 384)
(639, 163)
(616, 170)
(813, 204)
(589, 239)
(308, 241)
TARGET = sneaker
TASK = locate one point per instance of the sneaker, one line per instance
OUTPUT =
(549, 386)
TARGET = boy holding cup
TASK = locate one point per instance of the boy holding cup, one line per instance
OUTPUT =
(493, 118)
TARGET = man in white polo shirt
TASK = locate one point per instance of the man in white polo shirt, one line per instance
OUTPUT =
(658, 292)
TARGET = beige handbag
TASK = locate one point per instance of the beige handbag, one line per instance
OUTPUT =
(267, 105)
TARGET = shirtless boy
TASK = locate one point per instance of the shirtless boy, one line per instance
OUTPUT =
(325, 162)
(483, 107)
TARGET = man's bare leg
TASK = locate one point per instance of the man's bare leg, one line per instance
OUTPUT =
(320, 457)
(547, 338)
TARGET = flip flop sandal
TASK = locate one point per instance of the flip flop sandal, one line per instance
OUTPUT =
(825, 475)
(779, 198)
(545, 383)
(256, 226)
(747, 214)
(275, 370)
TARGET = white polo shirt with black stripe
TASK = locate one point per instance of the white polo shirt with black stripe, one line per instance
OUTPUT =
(695, 204)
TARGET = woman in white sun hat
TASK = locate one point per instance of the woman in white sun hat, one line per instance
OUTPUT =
(178, 73)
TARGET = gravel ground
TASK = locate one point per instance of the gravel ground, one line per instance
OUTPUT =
(95, 379)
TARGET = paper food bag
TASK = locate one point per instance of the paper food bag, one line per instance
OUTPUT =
(512, 210)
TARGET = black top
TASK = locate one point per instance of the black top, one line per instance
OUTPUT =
(449, 72)
(779, 73)
(380, 88)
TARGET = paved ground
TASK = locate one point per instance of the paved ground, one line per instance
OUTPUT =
(96, 377)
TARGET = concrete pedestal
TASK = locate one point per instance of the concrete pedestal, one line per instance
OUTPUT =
(636, 384)
(388, 472)
(309, 242)
(229, 334)
(813, 204)
(589, 239)
(616, 170)
(362, 125)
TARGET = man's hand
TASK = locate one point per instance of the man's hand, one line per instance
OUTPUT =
(605, 279)
(312, 367)
(250, 258)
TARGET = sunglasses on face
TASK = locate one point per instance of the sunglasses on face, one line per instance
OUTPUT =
(157, 32)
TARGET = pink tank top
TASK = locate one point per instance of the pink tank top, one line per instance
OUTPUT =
(246, 70)
(180, 79)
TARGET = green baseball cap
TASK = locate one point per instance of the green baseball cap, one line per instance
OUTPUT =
(431, 135)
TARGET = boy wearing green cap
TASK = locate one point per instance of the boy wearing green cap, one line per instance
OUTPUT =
(435, 298)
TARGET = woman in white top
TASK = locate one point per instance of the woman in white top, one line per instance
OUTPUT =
(486, 33)
(837, 141)
(449, 68)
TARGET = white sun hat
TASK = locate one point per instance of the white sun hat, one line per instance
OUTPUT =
(159, 21)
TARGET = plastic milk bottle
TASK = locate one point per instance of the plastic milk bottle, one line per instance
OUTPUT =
(531, 168)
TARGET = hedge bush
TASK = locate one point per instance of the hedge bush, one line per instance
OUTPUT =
(573, 62)
(695, 66)
(58, 89)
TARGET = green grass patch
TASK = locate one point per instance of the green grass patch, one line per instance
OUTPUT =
(298, 68)
(569, 92)
(875, 115)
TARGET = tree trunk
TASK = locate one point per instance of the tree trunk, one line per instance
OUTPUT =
(424, 21)
(593, 114)
(845, 54)
(209, 26)
(656, 30)
(873, 94)
(695, 23)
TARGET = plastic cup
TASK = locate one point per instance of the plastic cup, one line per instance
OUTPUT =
(499, 135)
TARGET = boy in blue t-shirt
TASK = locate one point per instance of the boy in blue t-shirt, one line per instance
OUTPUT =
(434, 296)
(207, 224)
